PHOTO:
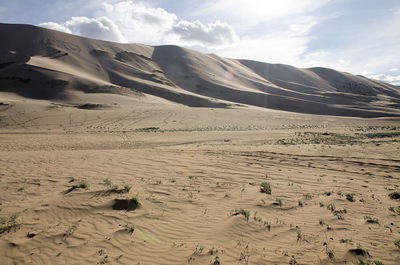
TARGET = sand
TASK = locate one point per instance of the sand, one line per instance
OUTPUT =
(190, 169)
(139, 175)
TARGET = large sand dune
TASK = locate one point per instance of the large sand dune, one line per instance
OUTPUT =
(192, 137)
(45, 64)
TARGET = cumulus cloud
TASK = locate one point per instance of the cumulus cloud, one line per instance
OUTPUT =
(55, 26)
(215, 35)
(97, 28)
(140, 23)
(136, 22)
(392, 79)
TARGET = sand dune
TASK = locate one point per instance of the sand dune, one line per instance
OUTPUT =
(33, 57)
(132, 154)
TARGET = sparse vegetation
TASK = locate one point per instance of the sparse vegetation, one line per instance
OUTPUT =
(127, 188)
(243, 212)
(360, 251)
(81, 185)
(265, 187)
(300, 203)
(308, 196)
(371, 220)
(107, 182)
(129, 227)
(330, 253)
(397, 243)
(345, 240)
(395, 209)
(299, 235)
(278, 201)
(115, 188)
(350, 197)
(9, 224)
(331, 207)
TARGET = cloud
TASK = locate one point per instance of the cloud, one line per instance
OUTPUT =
(247, 14)
(55, 26)
(136, 22)
(216, 35)
(272, 49)
(140, 23)
(392, 79)
(98, 28)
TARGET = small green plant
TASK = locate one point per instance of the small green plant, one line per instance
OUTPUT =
(345, 240)
(397, 243)
(339, 193)
(265, 187)
(279, 201)
(191, 177)
(371, 220)
(394, 209)
(81, 185)
(216, 261)
(300, 203)
(198, 250)
(330, 253)
(328, 193)
(129, 227)
(127, 188)
(321, 222)
(299, 235)
(331, 207)
(321, 204)
(308, 196)
(9, 224)
(350, 197)
(107, 182)
(243, 212)
(21, 188)
(135, 200)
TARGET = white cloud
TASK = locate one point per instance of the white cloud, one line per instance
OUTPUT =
(55, 26)
(98, 28)
(134, 22)
(140, 23)
(273, 49)
(392, 79)
(246, 14)
(215, 35)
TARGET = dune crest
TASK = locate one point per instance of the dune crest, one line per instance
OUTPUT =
(45, 64)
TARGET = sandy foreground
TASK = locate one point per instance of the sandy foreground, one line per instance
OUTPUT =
(72, 175)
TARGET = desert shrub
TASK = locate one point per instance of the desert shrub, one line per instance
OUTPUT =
(265, 187)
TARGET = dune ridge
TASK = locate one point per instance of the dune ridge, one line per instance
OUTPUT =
(46, 64)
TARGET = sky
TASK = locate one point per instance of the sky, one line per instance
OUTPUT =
(356, 36)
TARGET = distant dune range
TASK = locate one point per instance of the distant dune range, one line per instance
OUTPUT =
(45, 64)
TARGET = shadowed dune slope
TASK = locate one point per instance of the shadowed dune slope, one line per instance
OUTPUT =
(46, 64)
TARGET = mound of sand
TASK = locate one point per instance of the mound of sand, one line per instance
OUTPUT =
(45, 64)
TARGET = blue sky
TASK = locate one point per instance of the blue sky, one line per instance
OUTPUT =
(356, 36)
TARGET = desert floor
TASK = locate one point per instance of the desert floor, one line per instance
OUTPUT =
(196, 174)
